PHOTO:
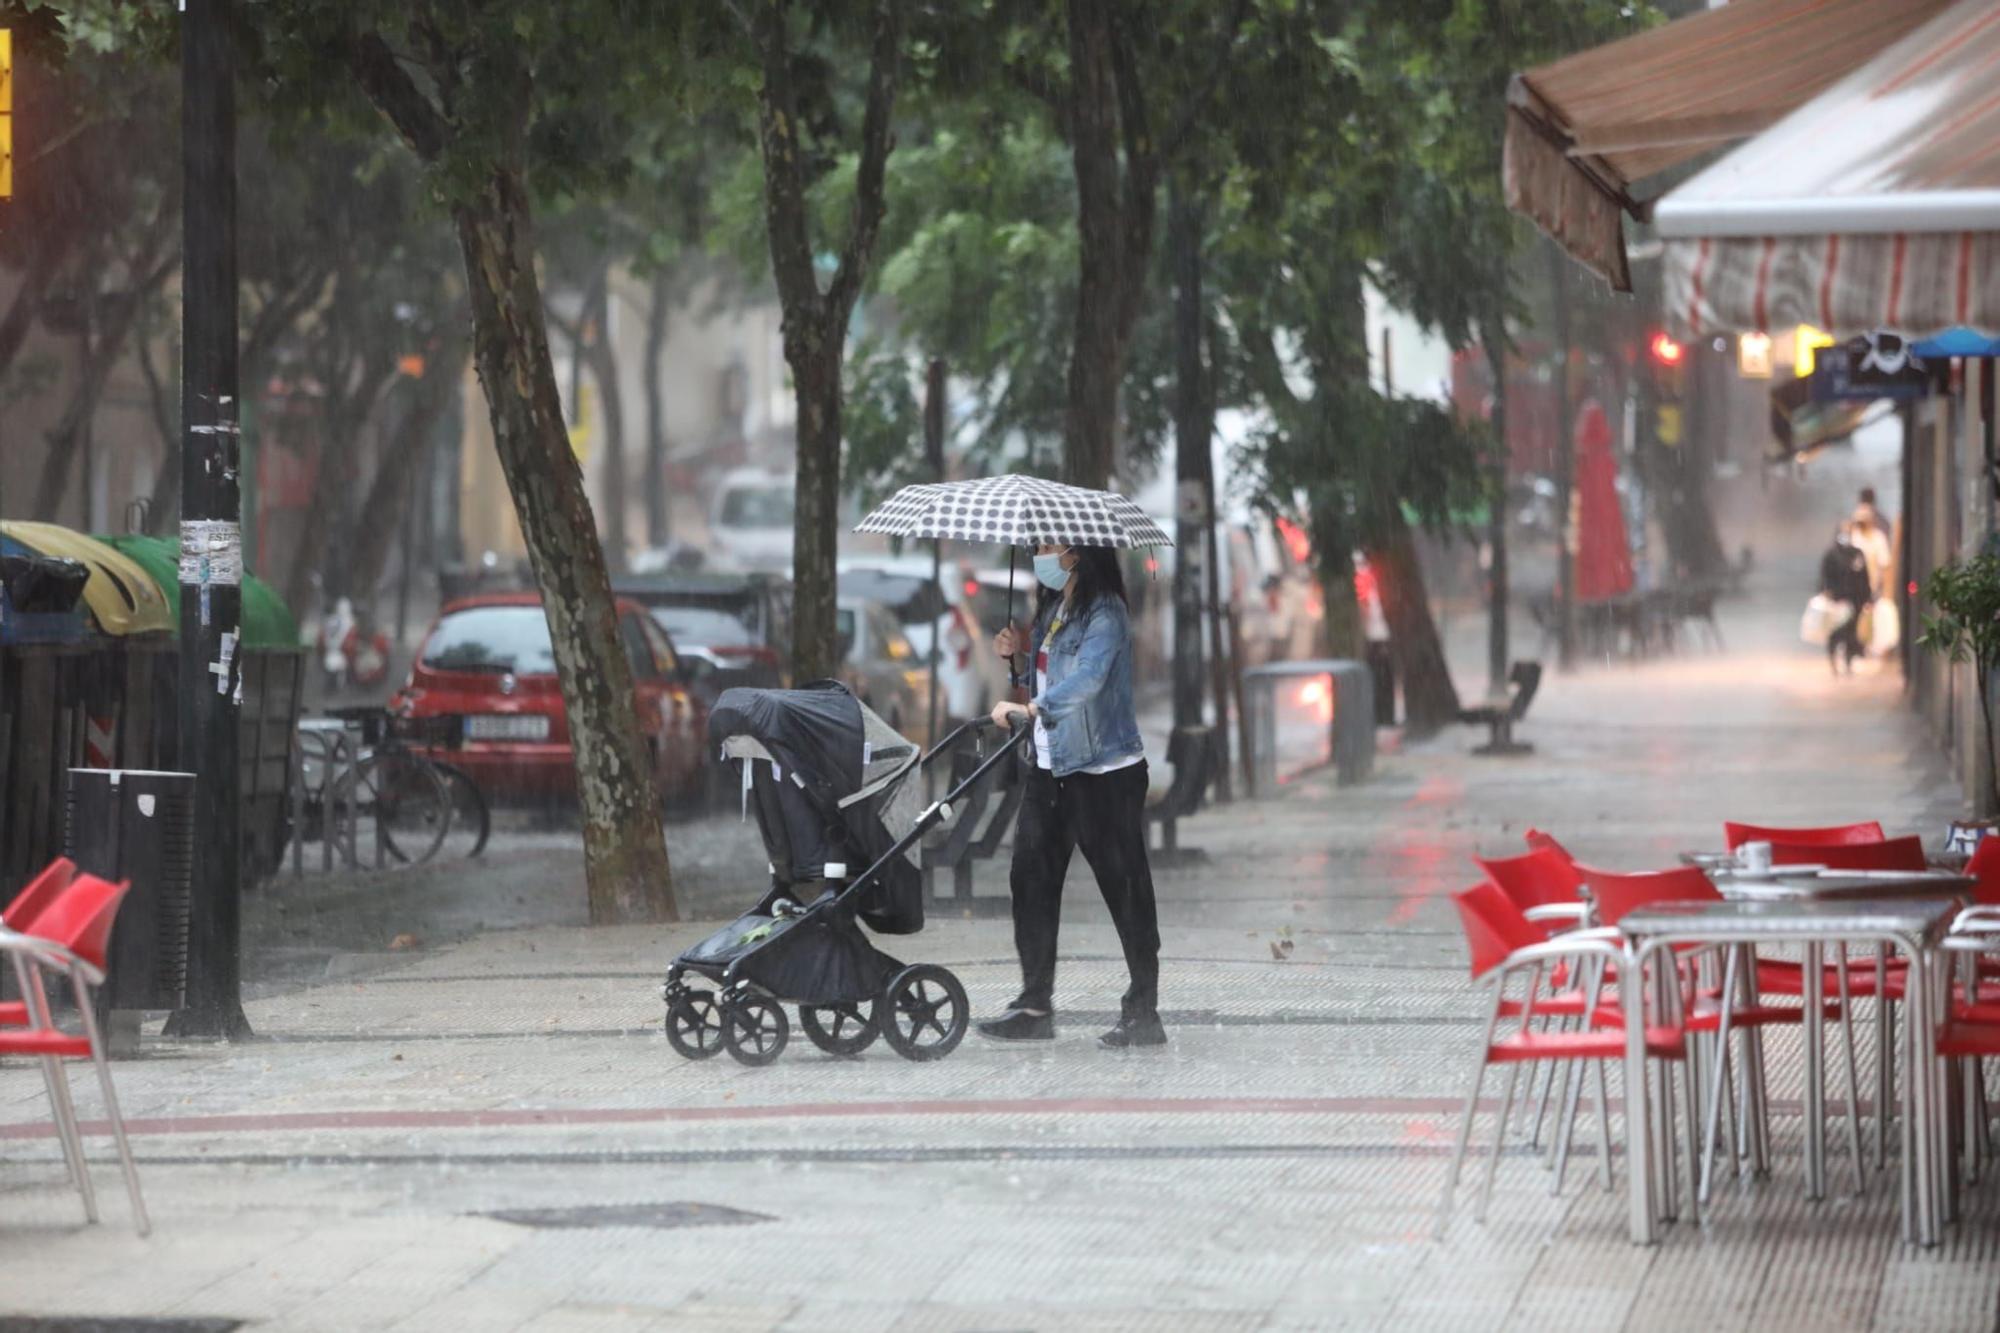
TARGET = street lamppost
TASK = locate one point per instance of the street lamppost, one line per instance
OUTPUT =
(211, 563)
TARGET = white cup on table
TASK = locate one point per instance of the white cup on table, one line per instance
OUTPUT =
(1755, 856)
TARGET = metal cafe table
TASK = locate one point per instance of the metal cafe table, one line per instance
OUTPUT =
(1908, 912)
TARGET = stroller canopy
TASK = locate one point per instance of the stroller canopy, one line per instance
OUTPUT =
(850, 766)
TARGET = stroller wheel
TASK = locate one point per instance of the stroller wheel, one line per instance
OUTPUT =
(837, 1029)
(694, 1024)
(754, 1030)
(923, 1012)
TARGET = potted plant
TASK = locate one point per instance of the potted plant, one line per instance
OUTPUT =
(1963, 625)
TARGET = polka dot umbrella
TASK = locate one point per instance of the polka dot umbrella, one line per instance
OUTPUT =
(1015, 511)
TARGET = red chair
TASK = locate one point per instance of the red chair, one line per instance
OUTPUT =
(1504, 944)
(1830, 835)
(20, 916)
(1544, 884)
(70, 937)
(1539, 841)
(1889, 854)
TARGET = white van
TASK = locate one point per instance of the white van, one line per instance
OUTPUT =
(750, 521)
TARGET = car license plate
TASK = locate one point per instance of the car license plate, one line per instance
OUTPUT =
(507, 727)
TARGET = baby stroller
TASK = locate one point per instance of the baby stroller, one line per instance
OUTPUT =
(834, 787)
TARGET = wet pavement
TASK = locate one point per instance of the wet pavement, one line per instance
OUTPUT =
(488, 1129)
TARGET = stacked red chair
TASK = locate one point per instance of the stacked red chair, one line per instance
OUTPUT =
(64, 931)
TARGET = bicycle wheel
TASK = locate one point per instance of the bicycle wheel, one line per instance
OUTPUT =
(471, 820)
(404, 802)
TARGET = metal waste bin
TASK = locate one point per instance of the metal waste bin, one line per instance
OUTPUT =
(138, 825)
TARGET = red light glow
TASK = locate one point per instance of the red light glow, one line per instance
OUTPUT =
(1665, 350)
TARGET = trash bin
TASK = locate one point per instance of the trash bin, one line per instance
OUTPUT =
(139, 826)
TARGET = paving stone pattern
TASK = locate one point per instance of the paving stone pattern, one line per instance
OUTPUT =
(1275, 1167)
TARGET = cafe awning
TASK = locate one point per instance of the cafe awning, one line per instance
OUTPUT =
(1583, 131)
(1876, 205)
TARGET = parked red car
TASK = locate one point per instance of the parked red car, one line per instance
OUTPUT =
(488, 662)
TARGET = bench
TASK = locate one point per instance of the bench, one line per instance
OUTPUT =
(1524, 679)
(1353, 739)
(974, 834)
(1192, 752)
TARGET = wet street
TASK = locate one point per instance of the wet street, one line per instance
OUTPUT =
(494, 1133)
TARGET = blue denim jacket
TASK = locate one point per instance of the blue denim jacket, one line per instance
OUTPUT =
(1086, 699)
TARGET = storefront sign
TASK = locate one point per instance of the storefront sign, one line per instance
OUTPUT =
(1874, 365)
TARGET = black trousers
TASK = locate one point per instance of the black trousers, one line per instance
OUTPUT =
(1104, 814)
(1846, 641)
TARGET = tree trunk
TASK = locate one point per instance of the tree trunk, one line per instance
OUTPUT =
(602, 359)
(102, 356)
(402, 462)
(657, 523)
(1114, 232)
(1495, 343)
(1430, 701)
(625, 855)
(815, 354)
(1559, 263)
(1194, 428)
(163, 506)
(1694, 540)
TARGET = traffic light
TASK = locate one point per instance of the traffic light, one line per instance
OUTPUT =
(1665, 351)
(6, 113)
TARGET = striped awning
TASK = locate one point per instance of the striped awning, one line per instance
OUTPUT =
(1583, 131)
(1876, 205)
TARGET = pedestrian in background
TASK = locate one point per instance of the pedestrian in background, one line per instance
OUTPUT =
(1087, 789)
(1843, 580)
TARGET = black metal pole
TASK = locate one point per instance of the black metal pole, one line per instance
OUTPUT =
(934, 455)
(211, 565)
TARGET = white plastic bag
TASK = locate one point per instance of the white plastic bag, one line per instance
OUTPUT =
(1823, 616)
(1888, 627)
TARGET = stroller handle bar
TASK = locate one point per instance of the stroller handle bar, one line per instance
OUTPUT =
(950, 739)
(925, 823)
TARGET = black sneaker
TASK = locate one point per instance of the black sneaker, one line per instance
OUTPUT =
(1019, 1025)
(1142, 1031)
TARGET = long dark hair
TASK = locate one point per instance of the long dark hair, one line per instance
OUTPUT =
(1097, 574)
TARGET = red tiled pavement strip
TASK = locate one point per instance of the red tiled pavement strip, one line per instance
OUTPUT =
(646, 1115)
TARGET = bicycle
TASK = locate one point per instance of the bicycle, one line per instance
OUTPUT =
(410, 804)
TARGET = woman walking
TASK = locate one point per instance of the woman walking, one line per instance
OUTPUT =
(1087, 790)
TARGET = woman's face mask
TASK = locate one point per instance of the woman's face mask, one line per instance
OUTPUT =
(1049, 569)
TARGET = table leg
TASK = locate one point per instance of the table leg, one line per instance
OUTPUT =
(1885, 1053)
(1919, 1134)
(1815, 1091)
(1714, 1116)
(1637, 1127)
(1853, 1074)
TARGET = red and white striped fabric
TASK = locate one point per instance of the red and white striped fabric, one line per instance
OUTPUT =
(1876, 205)
(1915, 283)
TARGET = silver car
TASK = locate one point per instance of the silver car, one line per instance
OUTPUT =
(878, 662)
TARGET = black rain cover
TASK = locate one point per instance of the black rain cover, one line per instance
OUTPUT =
(815, 732)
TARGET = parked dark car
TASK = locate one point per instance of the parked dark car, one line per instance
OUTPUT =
(731, 629)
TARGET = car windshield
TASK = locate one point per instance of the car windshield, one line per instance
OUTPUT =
(759, 507)
(492, 638)
(701, 627)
